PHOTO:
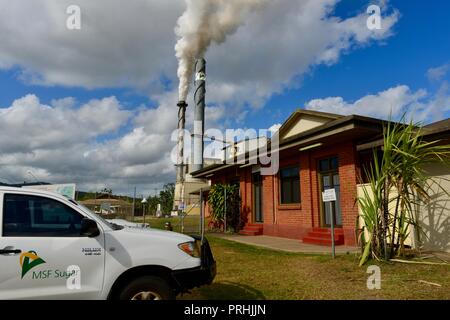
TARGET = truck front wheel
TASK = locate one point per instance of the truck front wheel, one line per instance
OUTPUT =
(147, 288)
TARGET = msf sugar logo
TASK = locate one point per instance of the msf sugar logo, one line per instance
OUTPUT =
(28, 261)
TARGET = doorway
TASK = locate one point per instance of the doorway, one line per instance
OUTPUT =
(257, 197)
(329, 179)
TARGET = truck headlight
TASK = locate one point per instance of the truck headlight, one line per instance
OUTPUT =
(190, 248)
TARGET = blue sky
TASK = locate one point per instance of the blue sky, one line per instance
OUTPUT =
(378, 67)
(421, 41)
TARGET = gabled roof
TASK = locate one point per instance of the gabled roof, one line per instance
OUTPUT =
(328, 129)
(342, 123)
(303, 120)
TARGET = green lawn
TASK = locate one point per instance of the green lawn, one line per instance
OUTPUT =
(247, 272)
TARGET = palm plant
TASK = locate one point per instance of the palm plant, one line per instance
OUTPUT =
(224, 201)
(398, 182)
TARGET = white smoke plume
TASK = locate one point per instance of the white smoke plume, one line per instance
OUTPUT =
(205, 22)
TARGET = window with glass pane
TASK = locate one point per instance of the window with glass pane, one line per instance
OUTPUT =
(31, 216)
(290, 185)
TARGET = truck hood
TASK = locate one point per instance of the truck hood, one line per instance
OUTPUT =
(128, 224)
(155, 233)
(132, 247)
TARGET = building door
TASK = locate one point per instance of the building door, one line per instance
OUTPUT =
(329, 179)
(257, 197)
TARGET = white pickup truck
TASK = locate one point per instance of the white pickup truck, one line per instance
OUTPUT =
(52, 247)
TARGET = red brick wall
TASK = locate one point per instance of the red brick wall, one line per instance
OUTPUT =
(346, 154)
(295, 221)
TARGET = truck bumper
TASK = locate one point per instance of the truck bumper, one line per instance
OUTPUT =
(204, 274)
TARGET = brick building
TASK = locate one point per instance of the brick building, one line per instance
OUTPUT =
(317, 151)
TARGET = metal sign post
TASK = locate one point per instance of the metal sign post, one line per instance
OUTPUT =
(182, 222)
(225, 212)
(329, 196)
(333, 249)
(202, 218)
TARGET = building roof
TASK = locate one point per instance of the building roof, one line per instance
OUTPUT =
(294, 118)
(335, 128)
(367, 132)
(439, 130)
(365, 123)
(442, 125)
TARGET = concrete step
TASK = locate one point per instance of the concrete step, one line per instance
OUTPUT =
(256, 228)
(258, 225)
(324, 235)
(328, 230)
(252, 229)
(250, 232)
(323, 241)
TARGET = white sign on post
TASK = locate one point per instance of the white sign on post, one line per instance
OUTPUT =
(329, 195)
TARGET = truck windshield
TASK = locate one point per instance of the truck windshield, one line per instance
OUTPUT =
(108, 223)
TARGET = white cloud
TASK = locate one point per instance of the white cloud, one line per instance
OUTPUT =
(436, 74)
(391, 103)
(27, 125)
(69, 143)
(61, 143)
(131, 45)
(119, 44)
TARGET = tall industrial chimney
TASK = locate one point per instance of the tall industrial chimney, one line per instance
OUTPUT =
(199, 117)
(181, 171)
(182, 105)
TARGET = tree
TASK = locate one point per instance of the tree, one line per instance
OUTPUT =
(397, 183)
(166, 197)
(224, 198)
(106, 191)
(153, 202)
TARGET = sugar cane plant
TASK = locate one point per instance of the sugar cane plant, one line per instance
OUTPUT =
(224, 202)
(397, 183)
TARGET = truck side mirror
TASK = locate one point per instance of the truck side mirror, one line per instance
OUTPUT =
(89, 228)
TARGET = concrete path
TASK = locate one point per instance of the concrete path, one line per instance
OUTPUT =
(284, 244)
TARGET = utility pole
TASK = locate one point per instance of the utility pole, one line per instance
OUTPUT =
(225, 212)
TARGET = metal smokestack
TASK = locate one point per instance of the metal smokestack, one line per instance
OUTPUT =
(182, 105)
(199, 117)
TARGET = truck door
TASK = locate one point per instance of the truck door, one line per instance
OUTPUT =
(42, 254)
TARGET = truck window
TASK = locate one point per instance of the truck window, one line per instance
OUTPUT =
(32, 216)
